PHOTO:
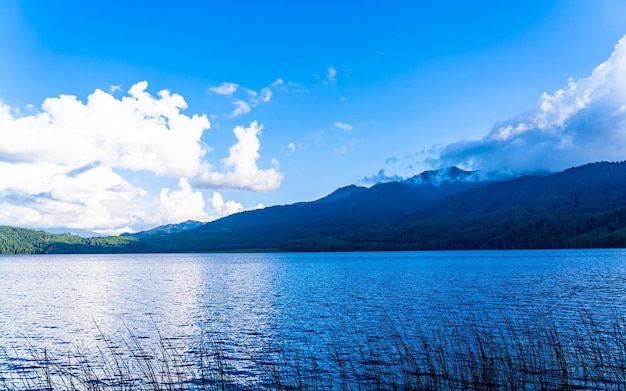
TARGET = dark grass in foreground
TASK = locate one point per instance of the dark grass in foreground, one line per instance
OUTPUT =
(533, 353)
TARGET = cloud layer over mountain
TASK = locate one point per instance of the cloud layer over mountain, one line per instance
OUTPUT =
(583, 122)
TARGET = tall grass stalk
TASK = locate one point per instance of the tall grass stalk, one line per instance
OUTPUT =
(464, 353)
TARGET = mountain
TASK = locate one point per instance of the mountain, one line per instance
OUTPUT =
(340, 193)
(72, 231)
(167, 229)
(447, 175)
(580, 207)
(295, 227)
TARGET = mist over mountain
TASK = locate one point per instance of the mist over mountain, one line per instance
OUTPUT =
(448, 175)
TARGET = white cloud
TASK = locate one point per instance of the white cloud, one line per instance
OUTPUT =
(381, 177)
(580, 123)
(138, 132)
(72, 164)
(241, 107)
(266, 95)
(114, 88)
(342, 125)
(279, 85)
(239, 168)
(44, 194)
(247, 99)
(331, 75)
(226, 89)
(224, 208)
(178, 205)
(277, 82)
(293, 147)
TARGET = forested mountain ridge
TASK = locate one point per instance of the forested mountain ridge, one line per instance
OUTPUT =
(23, 241)
(448, 209)
(280, 228)
(27, 241)
(579, 207)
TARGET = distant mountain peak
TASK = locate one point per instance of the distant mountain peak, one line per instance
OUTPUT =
(438, 177)
(340, 193)
(167, 229)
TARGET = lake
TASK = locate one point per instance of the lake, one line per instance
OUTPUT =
(257, 307)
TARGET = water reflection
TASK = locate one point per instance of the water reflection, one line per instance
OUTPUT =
(53, 301)
(252, 303)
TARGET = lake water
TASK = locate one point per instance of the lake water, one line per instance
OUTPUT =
(254, 303)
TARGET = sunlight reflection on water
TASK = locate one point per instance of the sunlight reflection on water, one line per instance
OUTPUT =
(248, 303)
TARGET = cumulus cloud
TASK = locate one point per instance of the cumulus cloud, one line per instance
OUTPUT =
(178, 205)
(224, 208)
(240, 170)
(42, 194)
(343, 126)
(226, 89)
(138, 132)
(583, 122)
(73, 163)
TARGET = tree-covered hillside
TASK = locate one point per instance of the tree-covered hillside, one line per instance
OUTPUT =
(578, 208)
(25, 241)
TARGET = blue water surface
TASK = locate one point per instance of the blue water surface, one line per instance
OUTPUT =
(255, 302)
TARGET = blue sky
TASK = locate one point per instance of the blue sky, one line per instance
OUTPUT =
(120, 116)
